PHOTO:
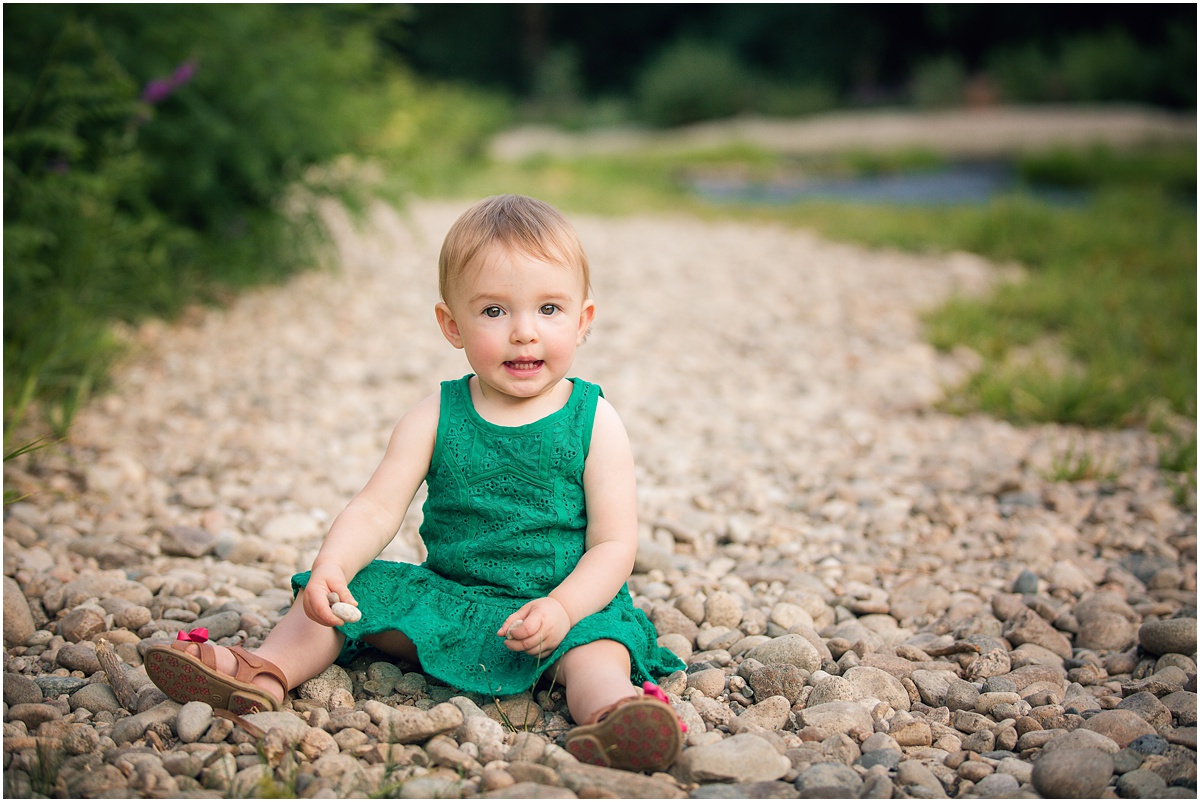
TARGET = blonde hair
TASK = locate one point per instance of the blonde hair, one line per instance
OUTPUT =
(527, 225)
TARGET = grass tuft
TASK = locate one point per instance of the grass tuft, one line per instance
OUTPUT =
(1077, 464)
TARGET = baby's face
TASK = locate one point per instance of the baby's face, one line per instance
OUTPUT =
(519, 320)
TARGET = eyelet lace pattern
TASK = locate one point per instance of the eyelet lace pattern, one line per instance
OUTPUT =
(504, 522)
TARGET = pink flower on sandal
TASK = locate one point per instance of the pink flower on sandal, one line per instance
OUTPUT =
(197, 635)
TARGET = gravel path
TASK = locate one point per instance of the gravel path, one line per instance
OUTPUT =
(875, 599)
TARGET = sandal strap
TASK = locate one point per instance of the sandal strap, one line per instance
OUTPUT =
(254, 730)
(250, 666)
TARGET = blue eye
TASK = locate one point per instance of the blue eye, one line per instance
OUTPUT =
(493, 311)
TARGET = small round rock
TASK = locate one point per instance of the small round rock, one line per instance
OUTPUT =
(347, 612)
(1072, 773)
(1172, 636)
(1026, 582)
(193, 721)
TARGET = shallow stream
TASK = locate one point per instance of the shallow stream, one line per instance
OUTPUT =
(956, 184)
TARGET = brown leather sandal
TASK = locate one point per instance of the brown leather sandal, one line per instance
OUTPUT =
(640, 733)
(186, 678)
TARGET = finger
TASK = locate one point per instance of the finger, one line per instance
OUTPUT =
(539, 650)
(513, 622)
(317, 607)
(534, 644)
(313, 610)
(340, 593)
(535, 622)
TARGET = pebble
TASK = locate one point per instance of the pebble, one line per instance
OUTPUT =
(79, 657)
(1172, 636)
(997, 786)
(1140, 784)
(127, 730)
(347, 612)
(95, 698)
(330, 685)
(1026, 582)
(710, 682)
(1072, 773)
(189, 541)
(771, 713)
(20, 689)
(888, 758)
(919, 780)
(788, 649)
(737, 759)
(53, 685)
(833, 718)
(18, 618)
(759, 790)
(1119, 726)
(829, 780)
(780, 679)
(193, 721)
(845, 568)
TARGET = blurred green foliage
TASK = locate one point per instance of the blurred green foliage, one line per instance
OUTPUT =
(939, 83)
(795, 58)
(153, 157)
(1100, 66)
(691, 81)
(694, 80)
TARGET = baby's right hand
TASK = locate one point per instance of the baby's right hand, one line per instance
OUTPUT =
(326, 581)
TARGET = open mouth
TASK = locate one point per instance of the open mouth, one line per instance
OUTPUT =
(524, 367)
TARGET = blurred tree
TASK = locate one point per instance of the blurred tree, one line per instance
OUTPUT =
(861, 50)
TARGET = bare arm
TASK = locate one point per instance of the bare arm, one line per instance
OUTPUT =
(611, 493)
(369, 522)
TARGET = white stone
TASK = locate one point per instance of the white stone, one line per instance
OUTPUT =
(347, 612)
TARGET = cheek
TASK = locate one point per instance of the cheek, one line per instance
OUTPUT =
(484, 341)
(565, 339)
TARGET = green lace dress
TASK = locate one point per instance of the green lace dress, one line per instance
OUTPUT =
(504, 523)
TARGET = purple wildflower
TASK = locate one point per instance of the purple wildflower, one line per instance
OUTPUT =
(183, 73)
(160, 89)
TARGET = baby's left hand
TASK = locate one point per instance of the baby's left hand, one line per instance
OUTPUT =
(537, 628)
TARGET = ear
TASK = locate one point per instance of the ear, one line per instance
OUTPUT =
(586, 315)
(445, 319)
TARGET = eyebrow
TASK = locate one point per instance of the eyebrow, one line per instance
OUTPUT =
(483, 297)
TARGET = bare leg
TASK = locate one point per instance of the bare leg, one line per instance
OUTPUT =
(595, 675)
(301, 648)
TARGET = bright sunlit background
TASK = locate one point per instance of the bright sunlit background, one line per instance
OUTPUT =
(159, 156)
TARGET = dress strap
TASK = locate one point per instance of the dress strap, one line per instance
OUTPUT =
(587, 412)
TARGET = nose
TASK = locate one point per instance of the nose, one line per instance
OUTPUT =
(524, 329)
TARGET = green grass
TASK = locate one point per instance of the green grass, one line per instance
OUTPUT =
(1078, 464)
